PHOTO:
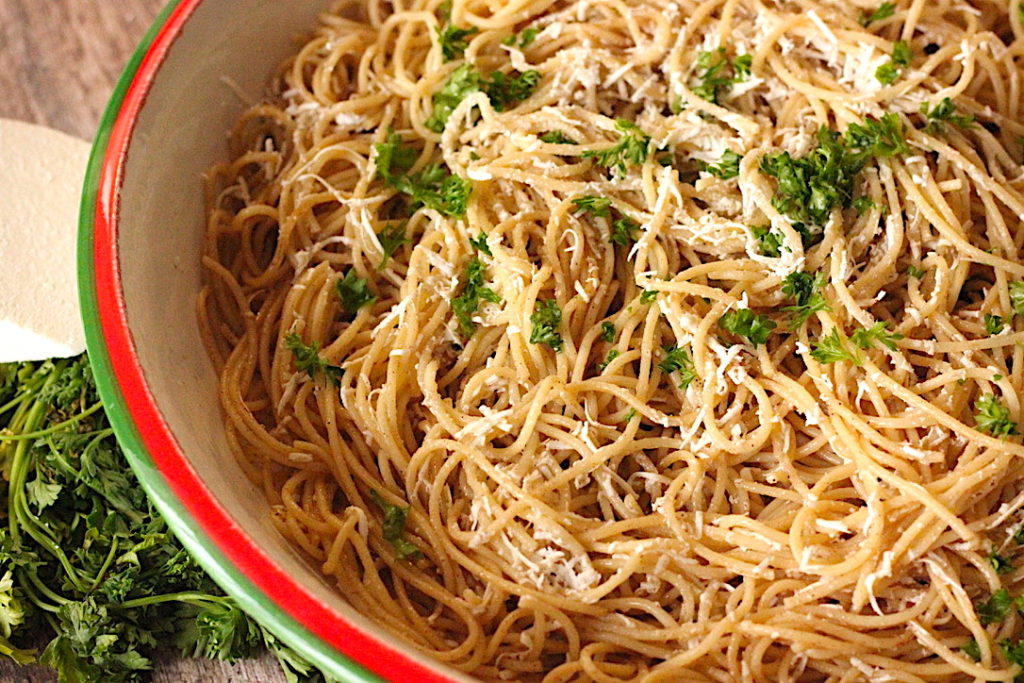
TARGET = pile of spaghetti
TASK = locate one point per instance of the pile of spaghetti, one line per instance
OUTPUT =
(605, 340)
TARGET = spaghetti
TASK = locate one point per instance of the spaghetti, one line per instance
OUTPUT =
(609, 340)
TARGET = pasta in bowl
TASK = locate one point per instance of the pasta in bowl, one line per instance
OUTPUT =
(663, 341)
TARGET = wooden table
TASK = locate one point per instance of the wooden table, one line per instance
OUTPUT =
(58, 63)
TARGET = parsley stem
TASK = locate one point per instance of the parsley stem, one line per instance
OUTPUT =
(53, 429)
(188, 597)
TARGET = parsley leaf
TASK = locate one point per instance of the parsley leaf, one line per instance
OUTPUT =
(678, 360)
(390, 238)
(608, 332)
(631, 150)
(993, 323)
(1013, 651)
(522, 39)
(434, 186)
(995, 608)
(884, 137)
(914, 271)
(453, 41)
(624, 231)
(1017, 297)
(743, 322)
(463, 81)
(866, 338)
(711, 73)
(993, 417)
(557, 137)
(1001, 564)
(507, 91)
(884, 11)
(648, 295)
(769, 242)
(468, 302)
(806, 290)
(393, 528)
(728, 167)
(480, 243)
(942, 113)
(308, 360)
(888, 73)
(863, 204)
(830, 349)
(972, 649)
(544, 322)
(353, 291)
(393, 159)
(612, 355)
(598, 206)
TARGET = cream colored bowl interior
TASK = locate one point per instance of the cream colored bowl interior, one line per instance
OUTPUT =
(181, 131)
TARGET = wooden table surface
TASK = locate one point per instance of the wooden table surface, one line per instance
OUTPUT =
(58, 63)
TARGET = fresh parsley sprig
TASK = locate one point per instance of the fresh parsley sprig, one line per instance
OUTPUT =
(631, 150)
(888, 73)
(831, 349)
(884, 11)
(945, 112)
(308, 360)
(728, 167)
(743, 322)
(993, 417)
(393, 528)
(467, 303)
(713, 75)
(545, 321)
(878, 333)
(806, 290)
(433, 187)
(678, 359)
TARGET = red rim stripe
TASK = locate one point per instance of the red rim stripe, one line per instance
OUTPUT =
(246, 556)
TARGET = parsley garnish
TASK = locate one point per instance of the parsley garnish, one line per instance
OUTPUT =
(863, 204)
(769, 242)
(393, 528)
(884, 137)
(942, 113)
(678, 360)
(308, 360)
(480, 243)
(831, 349)
(914, 271)
(884, 11)
(623, 230)
(1013, 651)
(507, 91)
(608, 332)
(630, 415)
(612, 355)
(743, 322)
(728, 167)
(598, 206)
(1001, 564)
(453, 41)
(993, 323)
(648, 295)
(544, 322)
(712, 66)
(390, 238)
(865, 338)
(504, 91)
(993, 417)
(434, 186)
(557, 137)
(522, 39)
(1017, 297)
(901, 58)
(468, 302)
(353, 291)
(995, 608)
(972, 649)
(631, 150)
(806, 289)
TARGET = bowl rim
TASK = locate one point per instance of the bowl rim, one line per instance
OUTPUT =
(238, 564)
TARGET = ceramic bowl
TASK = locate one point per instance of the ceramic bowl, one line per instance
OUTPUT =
(139, 265)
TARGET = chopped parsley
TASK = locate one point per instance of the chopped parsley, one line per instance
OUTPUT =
(831, 349)
(480, 243)
(1017, 297)
(503, 90)
(308, 360)
(769, 242)
(522, 39)
(433, 187)
(995, 608)
(888, 73)
(942, 113)
(878, 333)
(648, 295)
(993, 324)
(743, 322)
(713, 73)
(884, 11)
(453, 41)
(678, 360)
(728, 167)
(631, 150)
(557, 137)
(393, 528)
(1013, 651)
(598, 206)
(544, 321)
(882, 137)
(624, 231)
(863, 204)
(390, 238)
(608, 332)
(972, 649)
(806, 290)
(353, 291)
(630, 415)
(612, 355)
(914, 271)
(1001, 564)
(468, 302)
(993, 417)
